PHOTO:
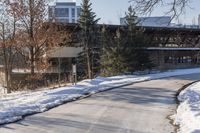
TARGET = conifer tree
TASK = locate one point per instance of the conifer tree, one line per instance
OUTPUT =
(104, 58)
(126, 51)
(112, 59)
(131, 22)
(87, 23)
(136, 55)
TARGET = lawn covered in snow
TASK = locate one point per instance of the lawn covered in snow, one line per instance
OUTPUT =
(188, 112)
(14, 106)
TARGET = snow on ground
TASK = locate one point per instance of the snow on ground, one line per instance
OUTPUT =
(188, 112)
(14, 106)
(2, 90)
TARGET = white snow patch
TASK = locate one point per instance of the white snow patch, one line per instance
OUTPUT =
(14, 106)
(188, 112)
(3, 90)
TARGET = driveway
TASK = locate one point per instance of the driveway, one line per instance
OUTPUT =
(138, 108)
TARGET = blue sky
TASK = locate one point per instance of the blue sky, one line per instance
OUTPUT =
(111, 10)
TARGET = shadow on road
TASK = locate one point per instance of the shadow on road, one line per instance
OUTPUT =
(139, 95)
(69, 125)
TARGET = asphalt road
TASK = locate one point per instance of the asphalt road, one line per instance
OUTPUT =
(138, 108)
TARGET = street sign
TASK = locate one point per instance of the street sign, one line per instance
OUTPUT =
(74, 74)
(74, 69)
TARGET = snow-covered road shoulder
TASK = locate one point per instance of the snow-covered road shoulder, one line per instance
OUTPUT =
(15, 106)
(188, 112)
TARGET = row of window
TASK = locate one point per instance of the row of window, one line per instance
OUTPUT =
(63, 12)
(183, 59)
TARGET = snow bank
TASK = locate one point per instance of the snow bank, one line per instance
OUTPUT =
(188, 112)
(14, 106)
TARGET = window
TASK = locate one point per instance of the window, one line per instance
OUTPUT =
(53, 62)
(73, 20)
(50, 12)
(189, 59)
(62, 12)
(181, 59)
(73, 12)
(169, 59)
(78, 11)
(184, 59)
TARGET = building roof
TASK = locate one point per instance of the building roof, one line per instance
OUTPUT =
(63, 3)
(147, 28)
(155, 21)
(64, 52)
(159, 21)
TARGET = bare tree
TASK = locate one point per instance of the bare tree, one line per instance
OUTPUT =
(8, 45)
(176, 7)
(36, 34)
(25, 31)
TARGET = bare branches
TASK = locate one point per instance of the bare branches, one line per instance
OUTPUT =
(31, 15)
(176, 7)
(8, 34)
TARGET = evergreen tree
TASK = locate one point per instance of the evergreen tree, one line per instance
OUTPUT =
(126, 51)
(104, 44)
(136, 54)
(87, 23)
(104, 58)
(112, 59)
(131, 22)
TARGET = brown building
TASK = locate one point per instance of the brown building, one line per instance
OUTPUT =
(172, 58)
(169, 47)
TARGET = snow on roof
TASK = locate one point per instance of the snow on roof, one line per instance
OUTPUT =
(173, 49)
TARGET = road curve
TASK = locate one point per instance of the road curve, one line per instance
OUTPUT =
(138, 108)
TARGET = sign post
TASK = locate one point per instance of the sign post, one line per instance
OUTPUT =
(59, 75)
(74, 73)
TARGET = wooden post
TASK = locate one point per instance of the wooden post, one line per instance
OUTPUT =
(59, 69)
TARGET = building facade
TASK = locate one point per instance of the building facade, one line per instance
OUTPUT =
(64, 12)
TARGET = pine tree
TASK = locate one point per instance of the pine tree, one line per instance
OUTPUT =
(131, 22)
(87, 23)
(104, 58)
(112, 59)
(137, 57)
(104, 44)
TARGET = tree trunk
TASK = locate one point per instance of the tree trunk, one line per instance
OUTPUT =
(32, 61)
(88, 64)
(7, 80)
(6, 62)
(8, 70)
(31, 6)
